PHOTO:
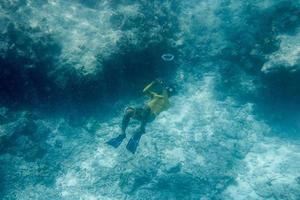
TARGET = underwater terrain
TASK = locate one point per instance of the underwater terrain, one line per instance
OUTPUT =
(69, 68)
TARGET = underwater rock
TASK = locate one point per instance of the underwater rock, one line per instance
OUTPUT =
(173, 169)
(287, 57)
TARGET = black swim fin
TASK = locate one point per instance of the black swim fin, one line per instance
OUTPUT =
(115, 142)
(134, 142)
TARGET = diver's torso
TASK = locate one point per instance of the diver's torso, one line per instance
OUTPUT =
(157, 105)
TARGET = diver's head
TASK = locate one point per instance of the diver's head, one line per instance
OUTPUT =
(171, 90)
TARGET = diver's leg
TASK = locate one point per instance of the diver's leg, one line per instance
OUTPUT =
(116, 142)
(133, 143)
(147, 117)
(126, 118)
(142, 128)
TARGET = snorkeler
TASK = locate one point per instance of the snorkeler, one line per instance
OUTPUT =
(157, 104)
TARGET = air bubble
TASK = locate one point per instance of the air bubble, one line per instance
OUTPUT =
(167, 57)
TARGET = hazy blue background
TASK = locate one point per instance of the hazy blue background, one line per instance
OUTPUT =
(69, 68)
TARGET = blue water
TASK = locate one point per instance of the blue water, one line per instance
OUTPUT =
(69, 69)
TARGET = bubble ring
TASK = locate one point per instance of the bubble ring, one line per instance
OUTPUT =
(167, 57)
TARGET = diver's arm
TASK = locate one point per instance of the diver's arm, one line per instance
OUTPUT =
(163, 95)
(158, 95)
(148, 87)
